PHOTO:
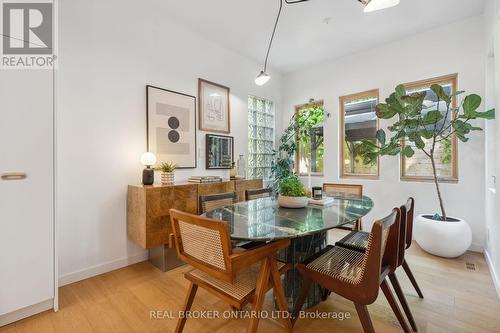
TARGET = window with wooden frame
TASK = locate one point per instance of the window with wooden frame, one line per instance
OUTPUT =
(418, 167)
(310, 148)
(358, 121)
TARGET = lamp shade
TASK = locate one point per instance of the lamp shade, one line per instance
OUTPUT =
(148, 159)
(262, 78)
(374, 5)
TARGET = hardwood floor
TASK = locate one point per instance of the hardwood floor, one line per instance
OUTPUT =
(457, 299)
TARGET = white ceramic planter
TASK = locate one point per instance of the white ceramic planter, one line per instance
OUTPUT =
(292, 202)
(167, 177)
(444, 239)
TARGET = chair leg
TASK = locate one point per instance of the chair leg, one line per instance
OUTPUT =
(394, 305)
(364, 318)
(304, 291)
(402, 300)
(187, 306)
(280, 294)
(260, 292)
(412, 279)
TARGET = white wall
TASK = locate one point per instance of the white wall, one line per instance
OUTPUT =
(109, 51)
(455, 48)
(492, 197)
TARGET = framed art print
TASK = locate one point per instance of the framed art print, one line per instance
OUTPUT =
(171, 126)
(214, 109)
(219, 151)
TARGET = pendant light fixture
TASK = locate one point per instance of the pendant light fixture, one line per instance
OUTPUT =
(263, 76)
(370, 6)
(373, 5)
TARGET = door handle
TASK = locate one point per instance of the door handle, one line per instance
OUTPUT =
(13, 176)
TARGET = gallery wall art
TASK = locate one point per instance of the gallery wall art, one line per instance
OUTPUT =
(171, 126)
(219, 151)
(214, 109)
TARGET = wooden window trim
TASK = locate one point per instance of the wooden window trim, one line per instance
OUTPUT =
(342, 101)
(297, 152)
(453, 79)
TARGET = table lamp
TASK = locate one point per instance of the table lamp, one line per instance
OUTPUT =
(148, 175)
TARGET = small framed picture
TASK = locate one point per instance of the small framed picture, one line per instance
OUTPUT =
(214, 109)
(171, 126)
(219, 151)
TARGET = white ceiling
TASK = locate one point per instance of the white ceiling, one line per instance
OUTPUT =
(302, 37)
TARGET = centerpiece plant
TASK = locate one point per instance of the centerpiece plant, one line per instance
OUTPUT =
(292, 187)
(420, 126)
(292, 193)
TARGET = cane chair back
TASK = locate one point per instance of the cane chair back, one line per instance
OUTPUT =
(213, 201)
(203, 243)
(258, 193)
(343, 189)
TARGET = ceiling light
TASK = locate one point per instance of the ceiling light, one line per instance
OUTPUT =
(262, 78)
(373, 5)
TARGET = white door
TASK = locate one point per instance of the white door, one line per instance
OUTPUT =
(26, 205)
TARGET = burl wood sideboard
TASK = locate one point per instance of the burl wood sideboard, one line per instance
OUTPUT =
(148, 218)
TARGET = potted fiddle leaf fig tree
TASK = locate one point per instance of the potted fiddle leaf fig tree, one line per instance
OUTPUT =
(423, 127)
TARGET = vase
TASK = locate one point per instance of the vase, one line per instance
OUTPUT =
(242, 168)
(448, 239)
(167, 177)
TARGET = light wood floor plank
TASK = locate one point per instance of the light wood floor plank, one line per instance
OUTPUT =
(456, 300)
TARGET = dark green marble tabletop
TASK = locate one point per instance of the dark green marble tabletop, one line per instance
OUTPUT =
(264, 220)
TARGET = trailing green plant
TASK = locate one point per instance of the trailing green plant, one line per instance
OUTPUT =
(424, 127)
(298, 130)
(292, 187)
(167, 167)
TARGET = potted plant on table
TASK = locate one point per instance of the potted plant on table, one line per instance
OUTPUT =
(426, 127)
(167, 172)
(292, 193)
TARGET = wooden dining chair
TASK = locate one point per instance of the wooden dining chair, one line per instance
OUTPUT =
(236, 278)
(213, 201)
(345, 190)
(358, 241)
(258, 193)
(355, 275)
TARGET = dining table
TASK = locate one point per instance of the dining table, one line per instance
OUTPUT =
(263, 220)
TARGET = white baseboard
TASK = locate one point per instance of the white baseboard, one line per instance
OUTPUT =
(494, 276)
(476, 248)
(28, 311)
(101, 269)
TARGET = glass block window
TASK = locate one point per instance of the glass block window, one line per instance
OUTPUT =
(260, 137)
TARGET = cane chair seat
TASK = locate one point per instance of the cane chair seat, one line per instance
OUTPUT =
(355, 240)
(244, 283)
(340, 264)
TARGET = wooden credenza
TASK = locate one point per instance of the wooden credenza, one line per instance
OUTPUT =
(148, 218)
